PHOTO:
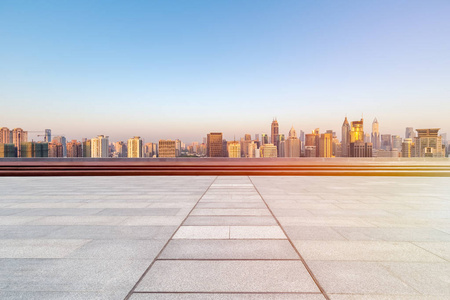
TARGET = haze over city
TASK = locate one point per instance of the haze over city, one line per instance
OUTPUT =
(181, 69)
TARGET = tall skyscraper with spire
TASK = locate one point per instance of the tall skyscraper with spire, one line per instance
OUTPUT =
(345, 140)
(274, 131)
(375, 134)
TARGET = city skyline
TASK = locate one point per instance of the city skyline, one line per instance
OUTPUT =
(188, 68)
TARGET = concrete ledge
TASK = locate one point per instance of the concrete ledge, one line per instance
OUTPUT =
(225, 166)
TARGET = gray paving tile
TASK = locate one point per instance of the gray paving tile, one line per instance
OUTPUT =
(119, 249)
(266, 296)
(78, 220)
(441, 249)
(227, 276)
(358, 278)
(58, 275)
(259, 205)
(72, 295)
(153, 221)
(230, 212)
(39, 248)
(312, 233)
(230, 220)
(229, 249)
(27, 232)
(17, 220)
(202, 232)
(59, 212)
(364, 251)
(256, 232)
(394, 234)
(138, 212)
(113, 232)
(427, 278)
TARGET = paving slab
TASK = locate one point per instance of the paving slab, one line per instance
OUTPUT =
(230, 220)
(229, 249)
(256, 232)
(202, 232)
(225, 296)
(227, 276)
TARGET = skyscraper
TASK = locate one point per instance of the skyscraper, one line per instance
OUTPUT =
(134, 147)
(345, 140)
(86, 148)
(409, 133)
(214, 146)
(357, 131)
(61, 140)
(264, 139)
(375, 134)
(5, 136)
(396, 142)
(48, 135)
(386, 142)
(325, 145)
(268, 150)
(292, 147)
(274, 131)
(19, 136)
(74, 149)
(100, 146)
(312, 144)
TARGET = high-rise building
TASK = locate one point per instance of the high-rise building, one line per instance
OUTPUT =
(274, 131)
(150, 150)
(360, 149)
(55, 149)
(409, 133)
(292, 147)
(134, 147)
(120, 149)
(256, 137)
(8, 150)
(386, 142)
(48, 135)
(302, 142)
(252, 147)
(357, 131)
(268, 150)
(264, 139)
(408, 148)
(100, 146)
(178, 148)
(19, 136)
(166, 148)
(396, 142)
(428, 143)
(281, 145)
(33, 149)
(312, 140)
(5, 136)
(345, 140)
(326, 145)
(61, 140)
(214, 144)
(86, 148)
(74, 149)
(375, 134)
(234, 149)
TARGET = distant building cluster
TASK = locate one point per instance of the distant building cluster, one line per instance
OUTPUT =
(354, 143)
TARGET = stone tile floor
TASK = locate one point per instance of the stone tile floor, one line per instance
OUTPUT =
(212, 237)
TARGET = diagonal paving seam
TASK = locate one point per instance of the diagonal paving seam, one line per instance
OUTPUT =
(223, 254)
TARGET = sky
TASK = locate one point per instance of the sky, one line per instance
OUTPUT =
(181, 69)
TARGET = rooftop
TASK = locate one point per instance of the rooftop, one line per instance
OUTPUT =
(225, 237)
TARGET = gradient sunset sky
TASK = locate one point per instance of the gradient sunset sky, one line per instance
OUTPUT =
(181, 69)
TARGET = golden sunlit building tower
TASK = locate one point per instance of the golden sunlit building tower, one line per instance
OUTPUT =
(214, 144)
(234, 149)
(167, 148)
(357, 131)
(312, 144)
(268, 150)
(134, 146)
(326, 145)
(292, 145)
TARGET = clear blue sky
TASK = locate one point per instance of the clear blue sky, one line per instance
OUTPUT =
(180, 69)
